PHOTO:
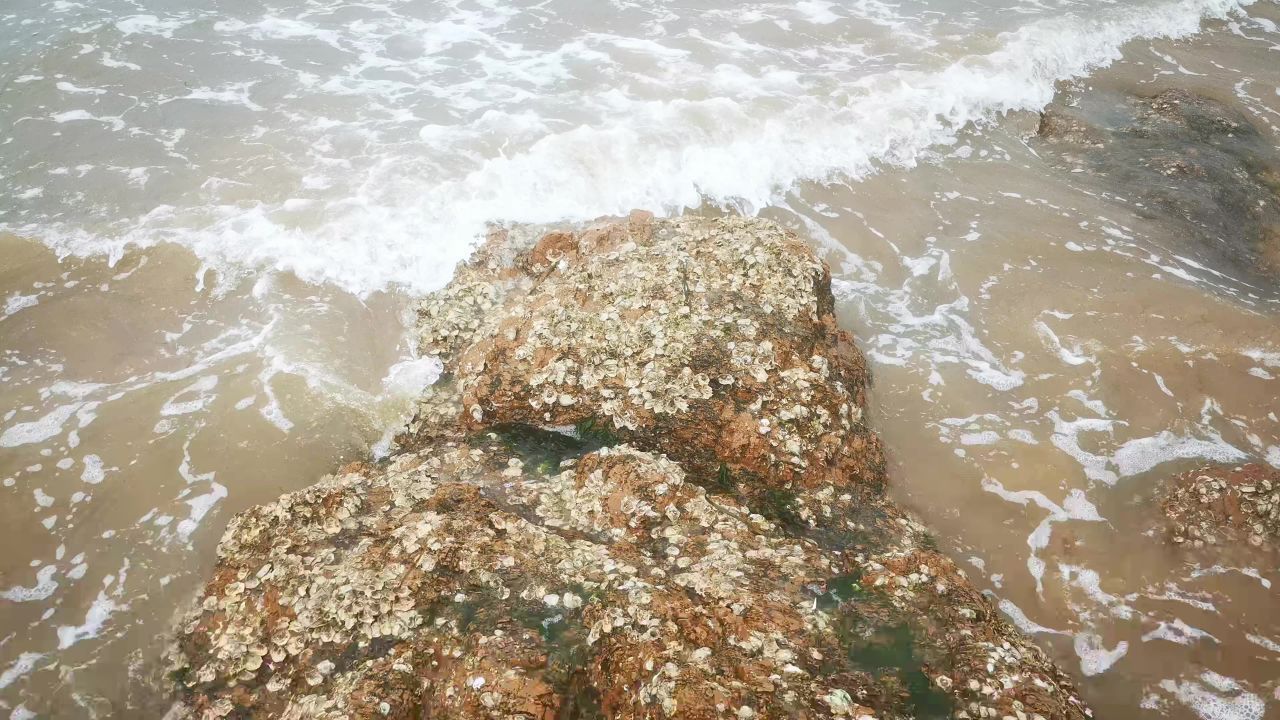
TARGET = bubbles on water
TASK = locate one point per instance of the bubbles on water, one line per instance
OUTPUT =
(93, 472)
(99, 612)
(1096, 658)
(25, 663)
(17, 301)
(43, 588)
(39, 430)
(1215, 697)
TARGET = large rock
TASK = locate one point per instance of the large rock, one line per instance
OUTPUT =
(674, 557)
(713, 340)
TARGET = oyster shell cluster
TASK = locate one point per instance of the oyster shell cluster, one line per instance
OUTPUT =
(643, 489)
(1224, 506)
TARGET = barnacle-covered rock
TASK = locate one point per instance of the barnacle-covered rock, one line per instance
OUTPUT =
(711, 339)
(464, 582)
(455, 318)
(711, 540)
(1223, 507)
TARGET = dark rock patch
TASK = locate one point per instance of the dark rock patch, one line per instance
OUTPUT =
(1183, 158)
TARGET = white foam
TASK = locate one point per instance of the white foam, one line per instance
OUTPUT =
(93, 472)
(110, 62)
(1222, 570)
(67, 87)
(1091, 583)
(150, 25)
(625, 152)
(25, 663)
(184, 468)
(1264, 642)
(272, 411)
(817, 11)
(42, 590)
(201, 388)
(231, 94)
(116, 123)
(94, 620)
(1022, 622)
(17, 301)
(1266, 357)
(35, 431)
(401, 388)
(1141, 454)
(1082, 397)
(1095, 658)
(1172, 592)
(1023, 436)
(1066, 438)
(1072, 356)
(1177, 632)
(200, 506)
(408, 378)
(1075, 507)
(1215, 697)
(278, 28)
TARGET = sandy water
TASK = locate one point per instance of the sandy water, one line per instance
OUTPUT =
(217, 218)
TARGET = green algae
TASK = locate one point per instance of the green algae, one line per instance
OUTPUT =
(541, 450)
(596, 433)
(842, 589)
(889, 654)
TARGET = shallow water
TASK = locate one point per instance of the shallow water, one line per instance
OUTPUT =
(246, 199)
(143, 412)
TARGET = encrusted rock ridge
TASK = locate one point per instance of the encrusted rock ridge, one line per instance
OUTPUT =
(645, 487)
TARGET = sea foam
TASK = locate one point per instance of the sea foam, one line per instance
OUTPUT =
(407, 223)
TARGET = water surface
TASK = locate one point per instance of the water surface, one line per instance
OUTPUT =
(215, 216)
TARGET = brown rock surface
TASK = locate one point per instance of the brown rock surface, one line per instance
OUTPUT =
(714, 341)
(674, 557)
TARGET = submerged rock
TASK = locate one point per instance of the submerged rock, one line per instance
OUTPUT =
(1184, 158)
(1223, 507)
(673, 556)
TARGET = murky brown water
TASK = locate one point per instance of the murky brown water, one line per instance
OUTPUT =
(143, 412)
(1107, 378)
(1045, 352)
